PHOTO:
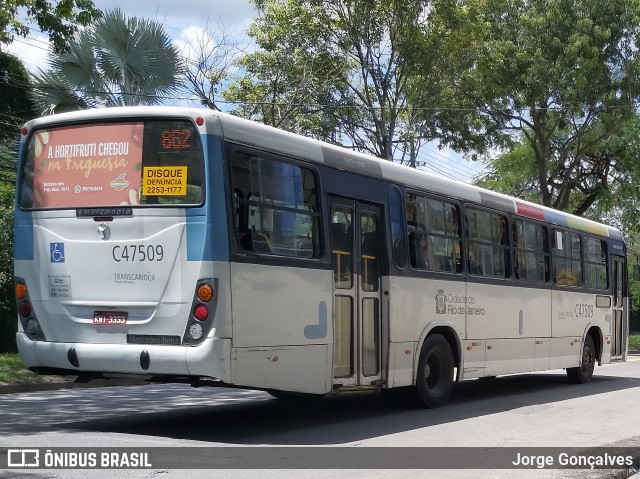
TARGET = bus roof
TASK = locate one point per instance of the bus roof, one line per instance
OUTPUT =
(266, 137)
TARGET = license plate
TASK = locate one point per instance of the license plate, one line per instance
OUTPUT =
(110, 318)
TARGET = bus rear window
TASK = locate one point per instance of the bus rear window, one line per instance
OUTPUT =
(140, 163)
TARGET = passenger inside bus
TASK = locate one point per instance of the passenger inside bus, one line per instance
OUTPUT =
(424, 254)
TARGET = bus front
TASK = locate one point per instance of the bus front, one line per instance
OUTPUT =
(114, 265)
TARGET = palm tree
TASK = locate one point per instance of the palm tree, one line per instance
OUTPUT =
(118, 61)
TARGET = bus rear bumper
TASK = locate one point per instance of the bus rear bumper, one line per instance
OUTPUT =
(211, 358)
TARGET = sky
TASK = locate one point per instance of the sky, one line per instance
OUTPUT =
(178, 17)
(183, 19)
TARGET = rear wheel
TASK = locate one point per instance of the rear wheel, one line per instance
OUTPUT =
(583, 373)
(435, 372)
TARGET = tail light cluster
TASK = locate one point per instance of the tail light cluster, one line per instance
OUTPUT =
(203, 309)
(27, 316)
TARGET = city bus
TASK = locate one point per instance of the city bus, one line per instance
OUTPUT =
(188, 245)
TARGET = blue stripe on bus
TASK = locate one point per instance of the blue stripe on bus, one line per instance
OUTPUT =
(556, 218)
(23, 245)
(207, 233)
(23, 242)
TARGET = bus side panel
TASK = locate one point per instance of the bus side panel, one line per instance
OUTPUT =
(282, 327)
(573, 313)
(511, 324)
(293, 368)
(414, 304)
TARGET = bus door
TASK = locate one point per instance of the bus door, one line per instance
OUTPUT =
(356, 243)
(618, 323)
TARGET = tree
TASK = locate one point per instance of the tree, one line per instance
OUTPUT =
(612, 198)
(554, 79)
(8, 313)
(333, 69)
(118, 61)
(60, 19)
(208, 57)
(15, 109)
(291, 73)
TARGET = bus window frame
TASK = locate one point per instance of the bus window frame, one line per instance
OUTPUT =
(509, 276)
(607, 264)
(514, 250)
(24, 148)
(393, 188)
(445, 199)
(230, 150)
(575, 287)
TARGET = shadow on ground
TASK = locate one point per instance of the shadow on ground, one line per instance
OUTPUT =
(249, 417)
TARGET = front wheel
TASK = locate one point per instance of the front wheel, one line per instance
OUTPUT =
(435, 372)
(583, 373)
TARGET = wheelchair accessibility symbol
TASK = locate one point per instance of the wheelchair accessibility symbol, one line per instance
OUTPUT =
(57, 252)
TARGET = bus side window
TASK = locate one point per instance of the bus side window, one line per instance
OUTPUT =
(398, 236)
(342, 246)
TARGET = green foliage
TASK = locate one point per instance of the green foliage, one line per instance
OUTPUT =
(60, 18)
(8, 154)
(290, 77)
(15, 109)
(332, 69)
(557, 75)
(118, 61)
(15, 103)
(634, 320)
(607, 179)
(513, 173)
(12, 371)
(8, 313)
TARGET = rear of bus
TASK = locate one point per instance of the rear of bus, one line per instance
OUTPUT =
(114, 247)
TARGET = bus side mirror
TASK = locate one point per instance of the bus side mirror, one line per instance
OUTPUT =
(636, 272)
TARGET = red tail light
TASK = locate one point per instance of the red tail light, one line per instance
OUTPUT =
(201, 312)
(25, 309)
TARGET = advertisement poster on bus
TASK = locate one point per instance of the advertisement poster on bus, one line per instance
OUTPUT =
(87, 165)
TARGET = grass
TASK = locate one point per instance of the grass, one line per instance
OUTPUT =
(634, 342)
(12, 371)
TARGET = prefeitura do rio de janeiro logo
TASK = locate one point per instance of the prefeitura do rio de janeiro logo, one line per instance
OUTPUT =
(441, 302)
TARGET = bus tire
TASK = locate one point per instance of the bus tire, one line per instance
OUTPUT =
(583, 373)
(435, 372)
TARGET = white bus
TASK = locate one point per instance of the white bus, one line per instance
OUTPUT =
(189, 245)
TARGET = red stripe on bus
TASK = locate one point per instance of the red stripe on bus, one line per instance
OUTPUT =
(530, 211)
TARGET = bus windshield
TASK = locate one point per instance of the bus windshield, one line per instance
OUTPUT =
(136, 163)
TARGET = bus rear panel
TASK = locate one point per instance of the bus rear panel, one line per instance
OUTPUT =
(109, 278)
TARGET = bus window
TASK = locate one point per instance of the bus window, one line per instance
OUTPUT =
(595, 264)
(280, 203)
(369, 255)
(342, 246)
(135, 163)
(434, 236)
(488, 245)
(567, 264)
(531, 252)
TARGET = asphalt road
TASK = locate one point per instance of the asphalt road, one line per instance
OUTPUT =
(532, 410)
